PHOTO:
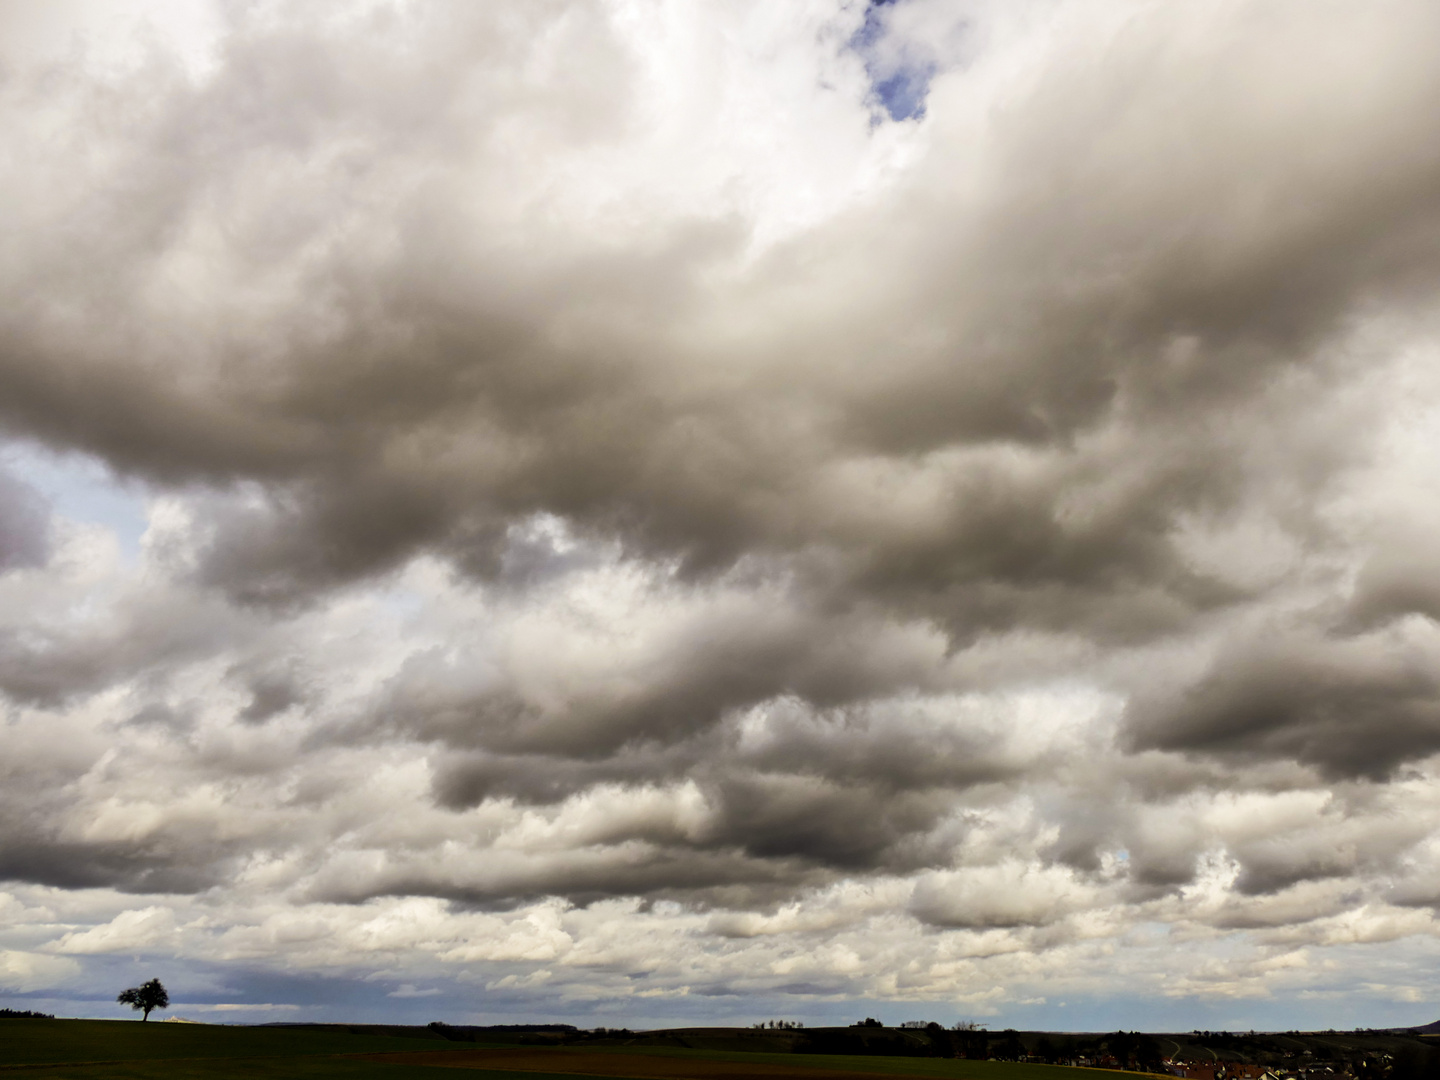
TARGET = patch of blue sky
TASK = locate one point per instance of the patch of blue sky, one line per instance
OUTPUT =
(82, 489)
(899, 81)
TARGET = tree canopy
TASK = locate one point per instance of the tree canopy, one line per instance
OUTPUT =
(147, 996)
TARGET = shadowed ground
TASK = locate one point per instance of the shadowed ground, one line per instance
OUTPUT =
(130, 1050)
(642, 1064)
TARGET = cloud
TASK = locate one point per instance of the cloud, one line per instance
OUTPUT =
(1003, 896)
(914, 501)
(27, 971)
(245, 1006)
(1353, 707)
(24, 525)
(127, 932)
(408, 990)
(975, 456)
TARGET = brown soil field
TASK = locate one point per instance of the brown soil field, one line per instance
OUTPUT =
(640, 1066)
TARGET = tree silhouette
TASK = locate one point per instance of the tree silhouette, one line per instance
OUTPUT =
(147, 996)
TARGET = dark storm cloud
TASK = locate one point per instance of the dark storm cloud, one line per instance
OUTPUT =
(544, 509)
(1400, 578)
(1352, 707)
(702, 877)
(24, 525)
(893, 747)
(839, 793)
(1141, 274)
(750, 823)
(40, 845)
(728, 658)
(56, 659)
(138, 869)
(754, 841)
(274, 685)
(834, 824)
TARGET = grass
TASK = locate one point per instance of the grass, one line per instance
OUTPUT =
(268, 1068)
(948, 1068)
(129, 1050)
(31, 1042)
(301, 1068)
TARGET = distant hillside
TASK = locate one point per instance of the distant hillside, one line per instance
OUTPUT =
(1428, 1029)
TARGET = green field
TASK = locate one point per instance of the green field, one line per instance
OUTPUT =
(33, 1049)
(130, 1050)
(100, 1049)
(948, 1068)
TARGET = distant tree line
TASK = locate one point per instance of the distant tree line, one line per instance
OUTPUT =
(469, 1032)
(24, 1014)
(1122, 1049)
(527, 1034)
(1383, 1056)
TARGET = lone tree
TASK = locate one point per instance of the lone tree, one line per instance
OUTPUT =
(147, 996)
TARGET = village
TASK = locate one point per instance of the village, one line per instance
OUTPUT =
(1304, 1068)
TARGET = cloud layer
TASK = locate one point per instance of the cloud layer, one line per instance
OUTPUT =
(809, 502)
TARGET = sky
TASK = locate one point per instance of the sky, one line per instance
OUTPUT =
(645, 513)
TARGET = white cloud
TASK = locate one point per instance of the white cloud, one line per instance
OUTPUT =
(27, 971)
(130, 931)
(408, 990)
(625, 521)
